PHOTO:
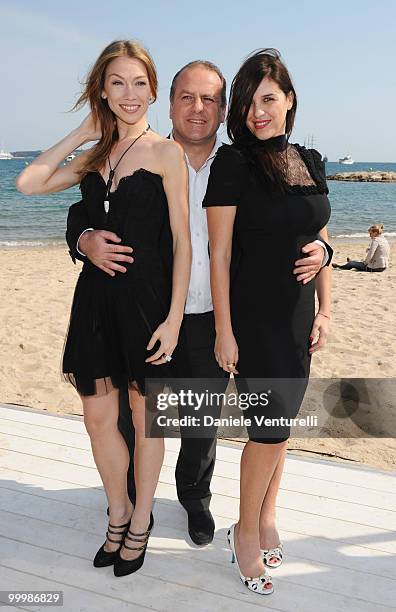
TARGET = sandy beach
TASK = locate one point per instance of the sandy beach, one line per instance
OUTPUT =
(37, 287)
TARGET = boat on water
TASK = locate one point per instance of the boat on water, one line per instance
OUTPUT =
(347, 160)
(6, 155)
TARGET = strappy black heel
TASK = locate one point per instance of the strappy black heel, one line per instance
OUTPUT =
(123, 567)
(103, 558)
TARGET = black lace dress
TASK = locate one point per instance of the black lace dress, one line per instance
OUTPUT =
(272, 314)
(113, 318)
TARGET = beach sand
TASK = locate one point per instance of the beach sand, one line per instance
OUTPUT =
(37, 287)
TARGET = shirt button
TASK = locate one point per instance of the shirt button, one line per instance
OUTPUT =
(197, 234)
(200, 263)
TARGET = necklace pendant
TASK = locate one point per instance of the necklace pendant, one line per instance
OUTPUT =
(106, 205)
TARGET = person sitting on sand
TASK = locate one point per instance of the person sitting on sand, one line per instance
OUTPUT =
(378, 253)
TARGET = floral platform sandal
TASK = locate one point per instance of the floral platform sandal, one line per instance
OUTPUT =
(262, 585)
(276, 554)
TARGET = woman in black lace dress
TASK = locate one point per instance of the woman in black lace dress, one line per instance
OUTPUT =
(262, 188)
(124, 328)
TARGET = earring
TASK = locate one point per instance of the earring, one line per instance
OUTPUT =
(151, 99)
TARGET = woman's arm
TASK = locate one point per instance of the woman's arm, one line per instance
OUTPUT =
(175, 181)
(220, 228)
(320, 327)
(371, 251)
(45, 175)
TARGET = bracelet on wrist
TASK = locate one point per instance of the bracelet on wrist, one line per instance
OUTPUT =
(324, 315)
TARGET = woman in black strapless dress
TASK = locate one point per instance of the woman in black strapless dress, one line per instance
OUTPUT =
(124, 329)
(262, 189)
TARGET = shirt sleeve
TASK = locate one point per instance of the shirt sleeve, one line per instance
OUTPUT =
(89, 229)
(227, 178)
(77, 222)
(371, 251)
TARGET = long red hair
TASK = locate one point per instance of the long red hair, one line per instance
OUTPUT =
(101, 112)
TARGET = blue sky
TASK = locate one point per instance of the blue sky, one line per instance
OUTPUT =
(341, 55)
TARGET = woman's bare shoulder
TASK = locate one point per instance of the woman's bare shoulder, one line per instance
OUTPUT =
(169, 152)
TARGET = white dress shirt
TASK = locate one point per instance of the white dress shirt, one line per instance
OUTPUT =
(199, 297)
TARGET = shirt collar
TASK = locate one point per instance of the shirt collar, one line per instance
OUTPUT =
(218, 143)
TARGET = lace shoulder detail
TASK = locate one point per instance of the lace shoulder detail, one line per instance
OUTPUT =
(315, 166)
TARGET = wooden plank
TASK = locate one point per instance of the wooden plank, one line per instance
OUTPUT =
(37, 432)
(301, 522)
(80, 541)
(74, 599)
(316, 549)
(50, 488)
(150, 588)
(24, 504)
(73, 474)
(305, 577)
(223, 469)
(56, 421)
(47, 450)
(179, 585)
(314, 504)
(326, 470)
(306, 502)
(309, 484)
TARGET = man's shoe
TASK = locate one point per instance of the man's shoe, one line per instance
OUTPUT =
(201, 527)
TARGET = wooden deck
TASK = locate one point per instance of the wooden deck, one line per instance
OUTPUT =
(338, 525)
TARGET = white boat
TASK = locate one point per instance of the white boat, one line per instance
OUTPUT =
(347, 160)
(6, 155)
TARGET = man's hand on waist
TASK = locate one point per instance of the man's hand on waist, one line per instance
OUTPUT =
(101, 248)
(308, 267)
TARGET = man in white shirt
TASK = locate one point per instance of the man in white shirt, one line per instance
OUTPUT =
(197, 109)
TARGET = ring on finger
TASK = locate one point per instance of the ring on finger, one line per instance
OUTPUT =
(167, 357)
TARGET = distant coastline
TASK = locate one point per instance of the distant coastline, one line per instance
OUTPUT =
(25, 153)
(34, 153)
(40, 221)
(371, 176)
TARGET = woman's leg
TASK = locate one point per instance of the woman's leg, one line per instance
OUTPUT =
(148, 459)
(350, 265)
(110, 451)
(258, 464)
(269, 537)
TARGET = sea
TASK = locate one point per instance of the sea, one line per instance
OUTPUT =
(41, 220)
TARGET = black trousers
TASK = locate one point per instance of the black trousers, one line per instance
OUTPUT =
(195, 464)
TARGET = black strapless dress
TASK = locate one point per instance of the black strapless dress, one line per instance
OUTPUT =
(272, 314)
(113, 318)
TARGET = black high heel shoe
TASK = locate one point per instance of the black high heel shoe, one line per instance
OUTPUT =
(104, 558)
(123, 567)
